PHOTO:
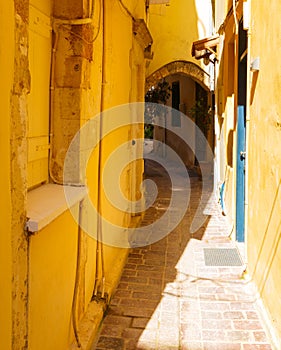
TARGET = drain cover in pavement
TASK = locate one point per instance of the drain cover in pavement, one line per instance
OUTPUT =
(222, 257)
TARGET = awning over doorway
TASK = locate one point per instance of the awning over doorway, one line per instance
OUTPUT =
(205, 47)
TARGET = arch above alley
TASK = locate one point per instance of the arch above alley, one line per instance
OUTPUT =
(185, 67)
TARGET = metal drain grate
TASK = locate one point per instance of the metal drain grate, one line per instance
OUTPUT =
(222, 257)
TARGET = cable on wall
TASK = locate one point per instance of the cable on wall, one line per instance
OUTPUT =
(129, 13)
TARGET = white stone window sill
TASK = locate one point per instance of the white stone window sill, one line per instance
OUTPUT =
(47, 202)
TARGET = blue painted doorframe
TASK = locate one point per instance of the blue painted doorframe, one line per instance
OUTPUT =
(240, 174)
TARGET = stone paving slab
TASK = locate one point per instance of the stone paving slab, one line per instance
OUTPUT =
(168, 299)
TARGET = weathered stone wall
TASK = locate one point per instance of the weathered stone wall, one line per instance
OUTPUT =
(189, 68)
(18, 151)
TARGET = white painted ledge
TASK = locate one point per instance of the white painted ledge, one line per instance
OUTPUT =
(47, 202)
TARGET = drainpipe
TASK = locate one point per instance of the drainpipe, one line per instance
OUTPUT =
(99, 246)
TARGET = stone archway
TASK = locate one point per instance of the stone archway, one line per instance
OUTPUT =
(181, 71)
(185, 67)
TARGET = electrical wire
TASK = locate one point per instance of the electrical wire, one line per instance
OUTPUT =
(63, 26)
(77, 278)
(52, 88)
(58, 24)
(64, 23)
(127, 10)
(51, 120)
(99, 22)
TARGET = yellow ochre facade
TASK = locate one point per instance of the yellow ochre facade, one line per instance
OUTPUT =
(7, 35)
(248, 75)
(174, 26)
(63, 63)
(69, 70)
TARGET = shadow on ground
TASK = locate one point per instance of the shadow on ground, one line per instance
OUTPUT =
(149, 273)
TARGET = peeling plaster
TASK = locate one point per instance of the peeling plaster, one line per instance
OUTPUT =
(21, 87)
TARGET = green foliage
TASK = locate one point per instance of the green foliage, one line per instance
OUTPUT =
(202, 115)
(148, 131)
(158, 94)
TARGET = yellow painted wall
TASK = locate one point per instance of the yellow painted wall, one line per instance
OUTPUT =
(122, 57)
(47, 266)
(226, 70)
(174, 27)
(52, 261)
(226, 100)
(77, 98)
(264, 225)
(222, 8)
(6, 71)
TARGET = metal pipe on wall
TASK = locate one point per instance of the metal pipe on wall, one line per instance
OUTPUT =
(99, 246)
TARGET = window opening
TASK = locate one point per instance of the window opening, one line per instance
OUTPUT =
(176, 118)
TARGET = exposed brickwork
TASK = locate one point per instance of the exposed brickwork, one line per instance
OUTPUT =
(168, 299)
(188, 68)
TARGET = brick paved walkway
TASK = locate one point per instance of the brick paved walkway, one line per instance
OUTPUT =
(169, 299)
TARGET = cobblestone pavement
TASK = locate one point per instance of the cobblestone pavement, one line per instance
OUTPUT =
(168, 298)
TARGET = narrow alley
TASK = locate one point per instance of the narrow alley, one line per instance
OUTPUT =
(186, 291)
(140, 146)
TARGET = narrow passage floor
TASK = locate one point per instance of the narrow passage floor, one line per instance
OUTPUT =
(187, 290)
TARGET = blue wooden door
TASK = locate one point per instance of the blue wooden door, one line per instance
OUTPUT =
(240, 174)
